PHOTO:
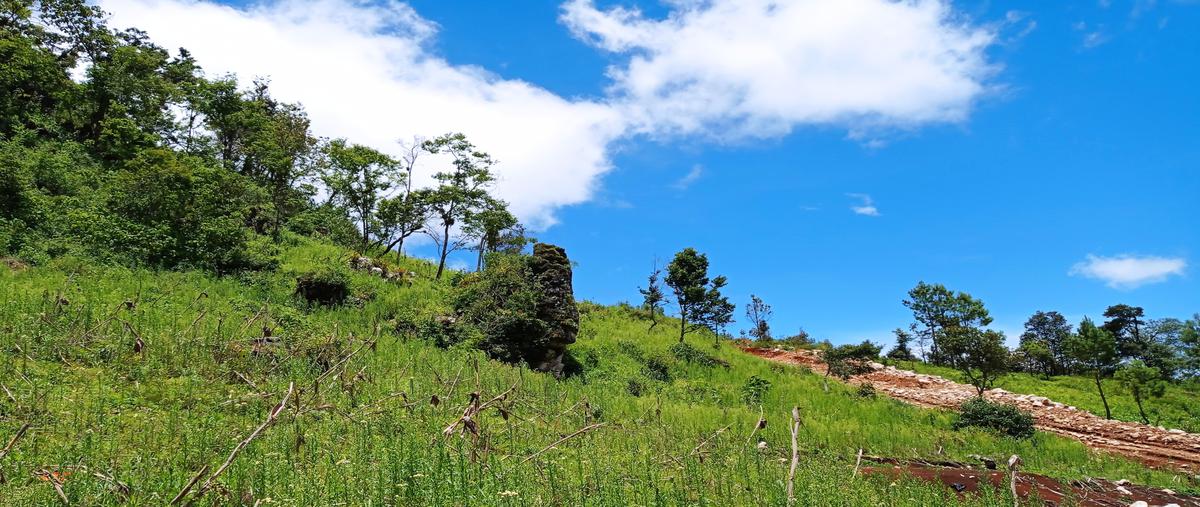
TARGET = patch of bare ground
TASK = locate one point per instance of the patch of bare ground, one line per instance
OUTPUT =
(1155, 446)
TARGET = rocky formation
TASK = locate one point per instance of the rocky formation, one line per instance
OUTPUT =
(555, 305)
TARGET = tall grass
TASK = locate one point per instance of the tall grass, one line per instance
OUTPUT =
(364, 431)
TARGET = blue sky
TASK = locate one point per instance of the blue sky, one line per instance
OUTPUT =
(1039, 155)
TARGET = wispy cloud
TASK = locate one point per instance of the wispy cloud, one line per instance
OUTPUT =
(1129, 271)
(691, 177)
(1092, 36)
(865, 206)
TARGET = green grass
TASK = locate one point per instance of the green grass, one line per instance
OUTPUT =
(151, 420)
(1178, 408)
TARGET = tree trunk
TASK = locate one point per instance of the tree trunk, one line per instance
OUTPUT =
(365, 230)
(1141, 411)
(682, 325)
(1100, 387)
(445, 250)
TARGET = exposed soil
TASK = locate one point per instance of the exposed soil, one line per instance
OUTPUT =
(1155, 446)
(1045, 490)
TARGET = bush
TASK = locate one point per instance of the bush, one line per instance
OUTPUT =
(324, 286)
(755, 389)
(501, 301)
(658, 369)
(1006, 419)
(687, 353)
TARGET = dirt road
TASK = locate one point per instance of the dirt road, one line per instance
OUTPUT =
(1154, 446)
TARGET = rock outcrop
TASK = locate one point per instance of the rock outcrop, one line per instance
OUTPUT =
(555, 306)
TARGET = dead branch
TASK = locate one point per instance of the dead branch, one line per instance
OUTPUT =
(188, 487)
(791, 485)
(578, 432)
(857, 463)
(274, 414)
(53, 479)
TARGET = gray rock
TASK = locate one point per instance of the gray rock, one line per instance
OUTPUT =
(555, 306)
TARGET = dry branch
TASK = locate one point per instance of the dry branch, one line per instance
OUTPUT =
(791, 485)
(208, 483)
(578, 432)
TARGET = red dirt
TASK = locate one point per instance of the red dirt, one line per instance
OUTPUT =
(1048, 491)
(1155, 446)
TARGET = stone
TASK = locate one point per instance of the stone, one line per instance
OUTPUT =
(551, 271)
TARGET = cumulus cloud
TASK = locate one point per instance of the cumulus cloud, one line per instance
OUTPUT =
(363, 71)
(865, 206)
(719, 69)
(758, 68)
(1129, 271)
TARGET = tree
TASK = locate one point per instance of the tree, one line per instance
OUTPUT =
(937, 309)
(901, 352)
(652, 295)
(699, 300)
(759, 314)
(358, 177)
(488, 225)
(1050, 329)
(1034, 356)
(1096, 350)
(400, 217)
(461, 192)
(1165, 347)
(718, 311)
(979, 354)
(1143, 382)
(1189, 339)
(1125, 324)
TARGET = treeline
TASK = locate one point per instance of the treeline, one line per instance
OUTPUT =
(113, 149)
(950, 329)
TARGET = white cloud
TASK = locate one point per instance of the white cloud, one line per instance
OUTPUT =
(721, 69)
(363, 72)
(757, 68)
(866, 205)
(1129, 271)
(691, 177)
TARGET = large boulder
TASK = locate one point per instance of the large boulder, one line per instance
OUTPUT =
(555, 305)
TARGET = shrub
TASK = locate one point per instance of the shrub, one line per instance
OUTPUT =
(866, 391)
(325, 286)
(1006, 419)
(687, 353)
(658, 369)
(755, 389)
(501, 301)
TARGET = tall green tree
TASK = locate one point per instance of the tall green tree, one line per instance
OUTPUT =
(1189, 339)
(1143, 383)
(902, 351)
(488, 226)
(1096, 351)
(461, 192)
(1051, 330)
(358, 177)
(936, 310)
(1125, 324)
(979, 354)
(652, 295)
(400, 217)
(699, 299)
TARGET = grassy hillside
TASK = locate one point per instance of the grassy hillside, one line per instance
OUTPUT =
(1178, 408)
(361, 429)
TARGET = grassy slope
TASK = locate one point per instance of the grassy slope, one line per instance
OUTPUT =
(1178, 408)
(152, 420)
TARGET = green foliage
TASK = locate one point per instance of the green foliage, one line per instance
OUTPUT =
(325, 286)
(699, 299)
(1047, 333)
(657, 368)
(755, 389)
(1005, 419)
(1096, 350)
(685, 352)
(901, 352)
(979, 354)
(501, 301)
(936, 310)
(845, 361)
(1143, 383)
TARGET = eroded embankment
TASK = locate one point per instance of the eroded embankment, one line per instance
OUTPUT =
(1154, 446)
